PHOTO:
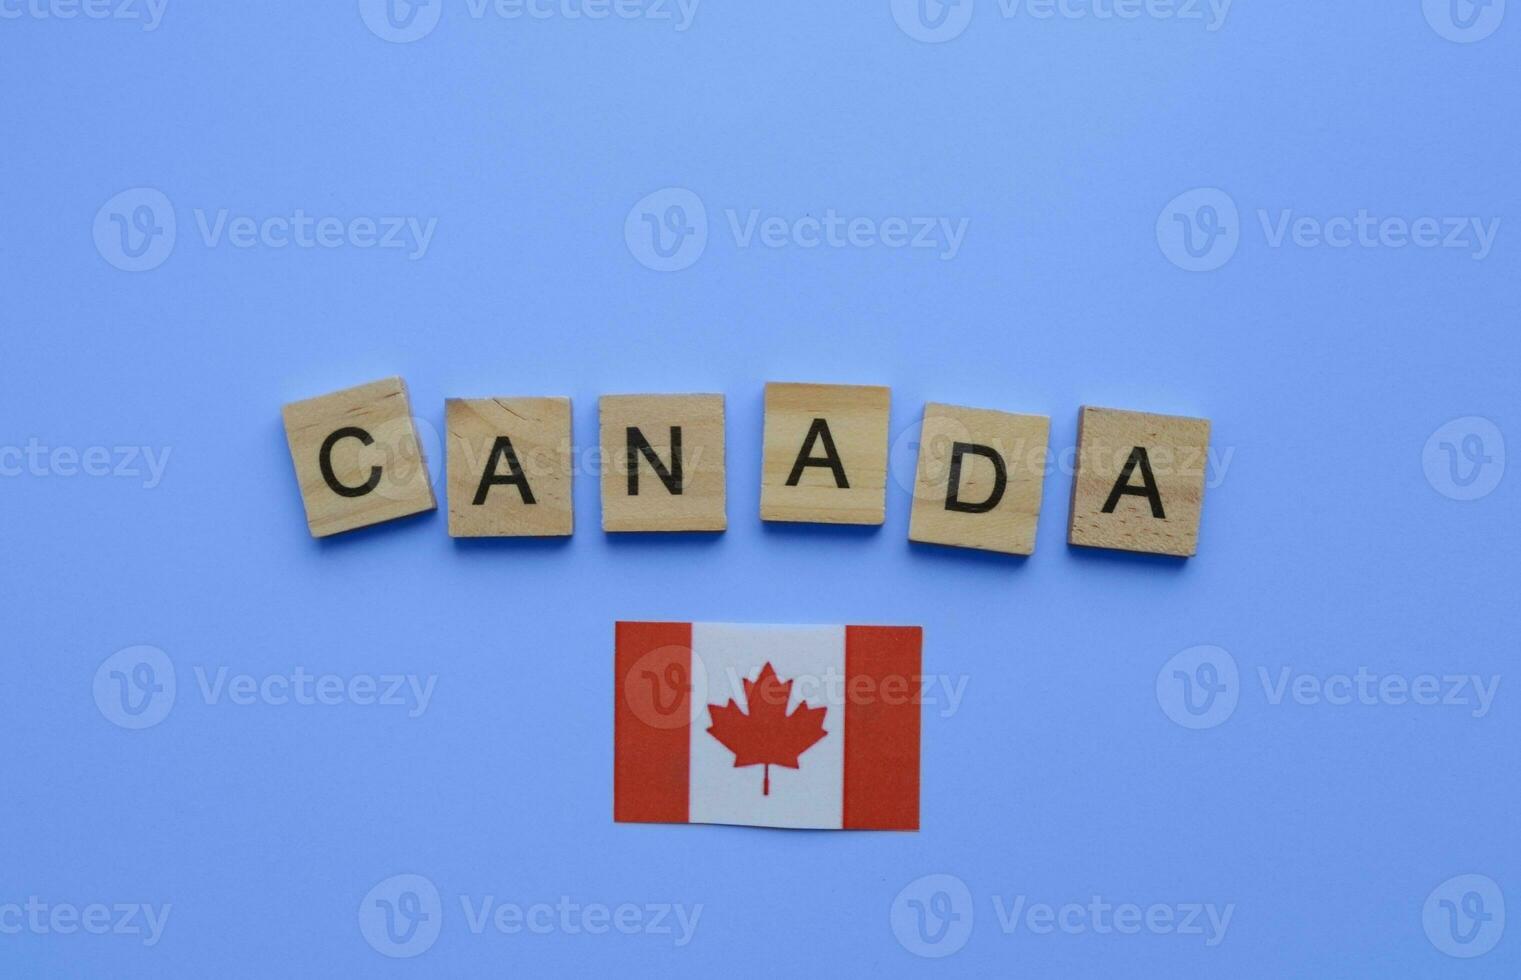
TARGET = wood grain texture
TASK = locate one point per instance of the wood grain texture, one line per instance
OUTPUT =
(1020, 442)
(857, 419)
(700, 505)
(1176, 450)
(382, 471)
(538, 432)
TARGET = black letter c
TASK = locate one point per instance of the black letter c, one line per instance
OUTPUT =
(325, 459)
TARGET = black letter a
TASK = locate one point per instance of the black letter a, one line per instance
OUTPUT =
(819, 430)
(502, 449)
(1148, 489)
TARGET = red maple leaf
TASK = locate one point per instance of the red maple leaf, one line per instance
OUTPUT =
(767, 736)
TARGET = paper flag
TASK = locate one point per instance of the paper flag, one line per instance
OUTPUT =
(767, 726)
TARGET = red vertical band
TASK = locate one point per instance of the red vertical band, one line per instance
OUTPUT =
(652, 718)
(883, 693)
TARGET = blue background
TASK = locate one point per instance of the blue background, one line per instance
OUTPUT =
(1059, 778)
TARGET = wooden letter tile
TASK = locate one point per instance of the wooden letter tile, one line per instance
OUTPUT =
(979, 479)
(663, 462)
(1139, 481)
(357, 457)
(825, 456)
(509, 467)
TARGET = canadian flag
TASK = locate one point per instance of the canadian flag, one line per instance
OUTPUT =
(767, 726)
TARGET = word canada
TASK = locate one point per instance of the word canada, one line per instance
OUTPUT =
(1137, 483)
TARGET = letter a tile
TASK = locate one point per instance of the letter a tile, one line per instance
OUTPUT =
(979, 479)
(1139, 482)
(509, 467)
(357, 457)
(825, 456)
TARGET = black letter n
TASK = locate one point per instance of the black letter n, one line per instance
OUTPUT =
(639, 445)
